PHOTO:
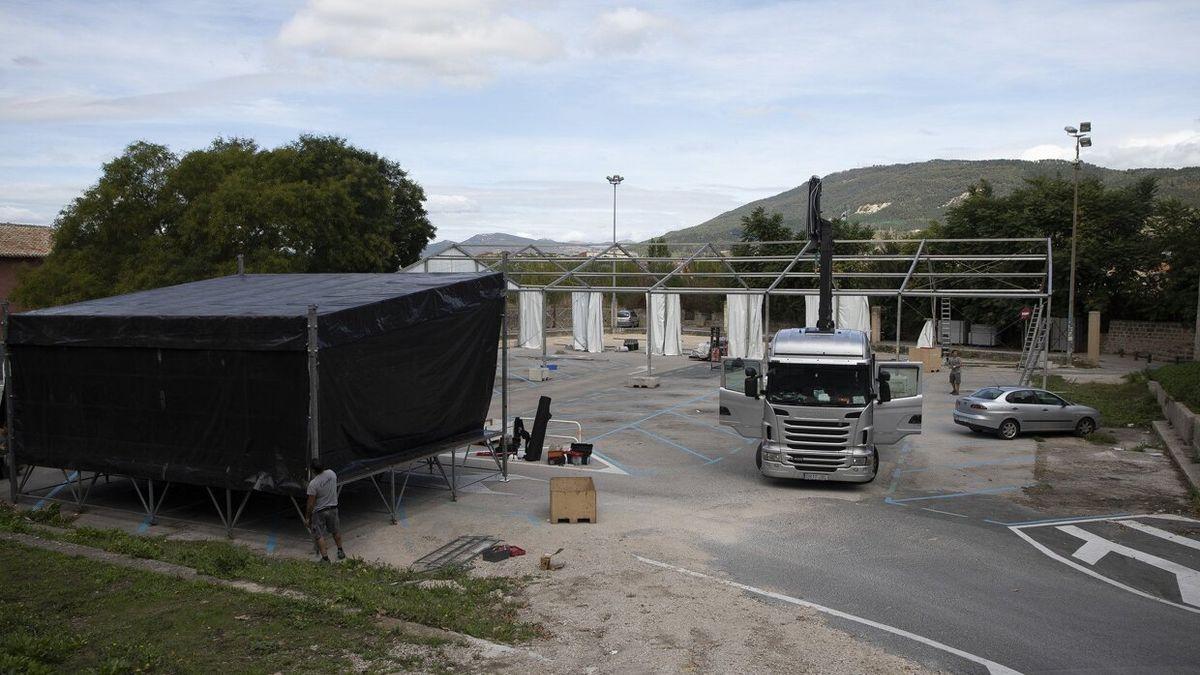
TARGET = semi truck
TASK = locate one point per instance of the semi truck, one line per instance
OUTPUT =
(820, 402)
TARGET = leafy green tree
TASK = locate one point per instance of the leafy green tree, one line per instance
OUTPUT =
(153, 219)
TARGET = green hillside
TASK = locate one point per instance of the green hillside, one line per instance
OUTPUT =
(908, 196)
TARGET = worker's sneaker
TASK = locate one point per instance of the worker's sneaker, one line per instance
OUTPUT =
(341, 554)
(325, 559)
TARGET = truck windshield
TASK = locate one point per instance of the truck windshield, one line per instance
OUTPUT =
(823, 385)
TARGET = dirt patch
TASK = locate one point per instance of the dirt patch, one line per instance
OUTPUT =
(1129, 475)
(608, 613)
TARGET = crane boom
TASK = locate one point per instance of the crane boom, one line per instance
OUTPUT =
(820, 232)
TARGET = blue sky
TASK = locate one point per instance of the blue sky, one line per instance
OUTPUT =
(511, 114)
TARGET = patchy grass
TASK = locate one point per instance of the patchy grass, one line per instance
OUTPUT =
(67, 614)
(1123, 404)
(1181, 381)
(1102, 438)
(482, 607)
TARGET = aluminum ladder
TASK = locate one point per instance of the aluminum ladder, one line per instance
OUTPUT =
(1034, 346)
(944, 328)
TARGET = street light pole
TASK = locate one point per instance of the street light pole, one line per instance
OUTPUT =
(1081, 139)
(615, 179)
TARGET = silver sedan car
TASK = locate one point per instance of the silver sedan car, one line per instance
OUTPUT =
(1008, 411)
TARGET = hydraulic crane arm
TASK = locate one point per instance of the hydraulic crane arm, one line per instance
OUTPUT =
(820, 232)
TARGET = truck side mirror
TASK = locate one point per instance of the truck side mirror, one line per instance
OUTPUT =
(751, 383)
(885, 390)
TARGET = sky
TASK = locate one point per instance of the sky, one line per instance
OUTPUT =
(511, 114)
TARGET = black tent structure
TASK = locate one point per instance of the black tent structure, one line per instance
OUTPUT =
(237, 383)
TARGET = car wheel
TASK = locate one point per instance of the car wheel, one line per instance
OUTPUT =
(1009, 429)
(1085, 427)
(758, 458)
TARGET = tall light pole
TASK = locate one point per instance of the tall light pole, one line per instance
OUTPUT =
(1081, 140)
(616, 179)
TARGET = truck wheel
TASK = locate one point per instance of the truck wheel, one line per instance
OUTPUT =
(1009, 429)
(758, 458)
(1085, 427)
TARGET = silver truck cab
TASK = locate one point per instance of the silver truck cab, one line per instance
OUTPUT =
(822, 404)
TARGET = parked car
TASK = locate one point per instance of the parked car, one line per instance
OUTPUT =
(703, 351)
(1008, 411)
(627, 318)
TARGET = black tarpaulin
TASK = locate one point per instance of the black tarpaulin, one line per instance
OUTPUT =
(207, 382)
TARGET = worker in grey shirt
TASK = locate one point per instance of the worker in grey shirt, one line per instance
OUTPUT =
(955, 364)
(321, 513)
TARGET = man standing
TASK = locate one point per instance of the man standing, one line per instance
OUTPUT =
(321, 514)
(955, 364)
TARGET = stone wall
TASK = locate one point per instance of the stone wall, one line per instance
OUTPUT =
(1166, 341)
(1182, 419)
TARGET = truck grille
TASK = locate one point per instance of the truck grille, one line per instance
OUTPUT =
(816, 445)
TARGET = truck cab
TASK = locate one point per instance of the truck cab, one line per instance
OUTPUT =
(821, 404)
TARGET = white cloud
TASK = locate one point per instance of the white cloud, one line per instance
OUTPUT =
(627, 28)
(1048, 151)
(1172, 149)
(16, 214)
(452, 39)
(445, 204)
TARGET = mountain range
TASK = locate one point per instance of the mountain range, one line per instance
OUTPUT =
(499, 241)
(908, 196)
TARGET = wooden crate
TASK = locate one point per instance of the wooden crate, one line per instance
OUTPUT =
(930, 358)
(572, 500)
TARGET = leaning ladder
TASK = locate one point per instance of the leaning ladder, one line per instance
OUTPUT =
(1034, 346)
(944, 332)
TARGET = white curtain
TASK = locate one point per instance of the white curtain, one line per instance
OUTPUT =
(743, 325)
(925, 339)
(849, 312)
(531, 317)
(854, 313)
(667, 333)
(587, 322)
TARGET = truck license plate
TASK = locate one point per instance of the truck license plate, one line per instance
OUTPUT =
(815, 476)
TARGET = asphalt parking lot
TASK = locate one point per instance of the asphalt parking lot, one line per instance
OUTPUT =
(943, 561)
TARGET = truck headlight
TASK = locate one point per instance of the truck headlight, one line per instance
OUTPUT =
(860, 460)
(772, 456)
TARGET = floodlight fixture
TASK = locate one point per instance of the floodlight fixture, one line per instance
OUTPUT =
(615, 179)
(1085, 127)
(1085, 141)
(1071, 130)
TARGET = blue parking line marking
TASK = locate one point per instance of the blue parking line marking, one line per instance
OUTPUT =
(50, 495)
(612, 462)
(651, 434)
(988, 491)
(972, 465)
(718, 427)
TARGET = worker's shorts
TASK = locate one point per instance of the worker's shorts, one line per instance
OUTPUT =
(325, 522)
(955, 378)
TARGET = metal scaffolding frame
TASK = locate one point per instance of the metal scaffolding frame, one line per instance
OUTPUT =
(1000, 268)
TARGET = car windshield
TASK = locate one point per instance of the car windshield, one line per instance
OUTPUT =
(987, 394)
(836, 386)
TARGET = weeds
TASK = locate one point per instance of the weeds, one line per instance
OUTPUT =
(1102, 438)
(1122, 404)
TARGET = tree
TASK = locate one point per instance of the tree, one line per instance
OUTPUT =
(153, 219)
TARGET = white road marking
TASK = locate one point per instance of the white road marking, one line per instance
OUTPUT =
(1163, 534)
(1017, 529)
(992, 666)
(1096, 547)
